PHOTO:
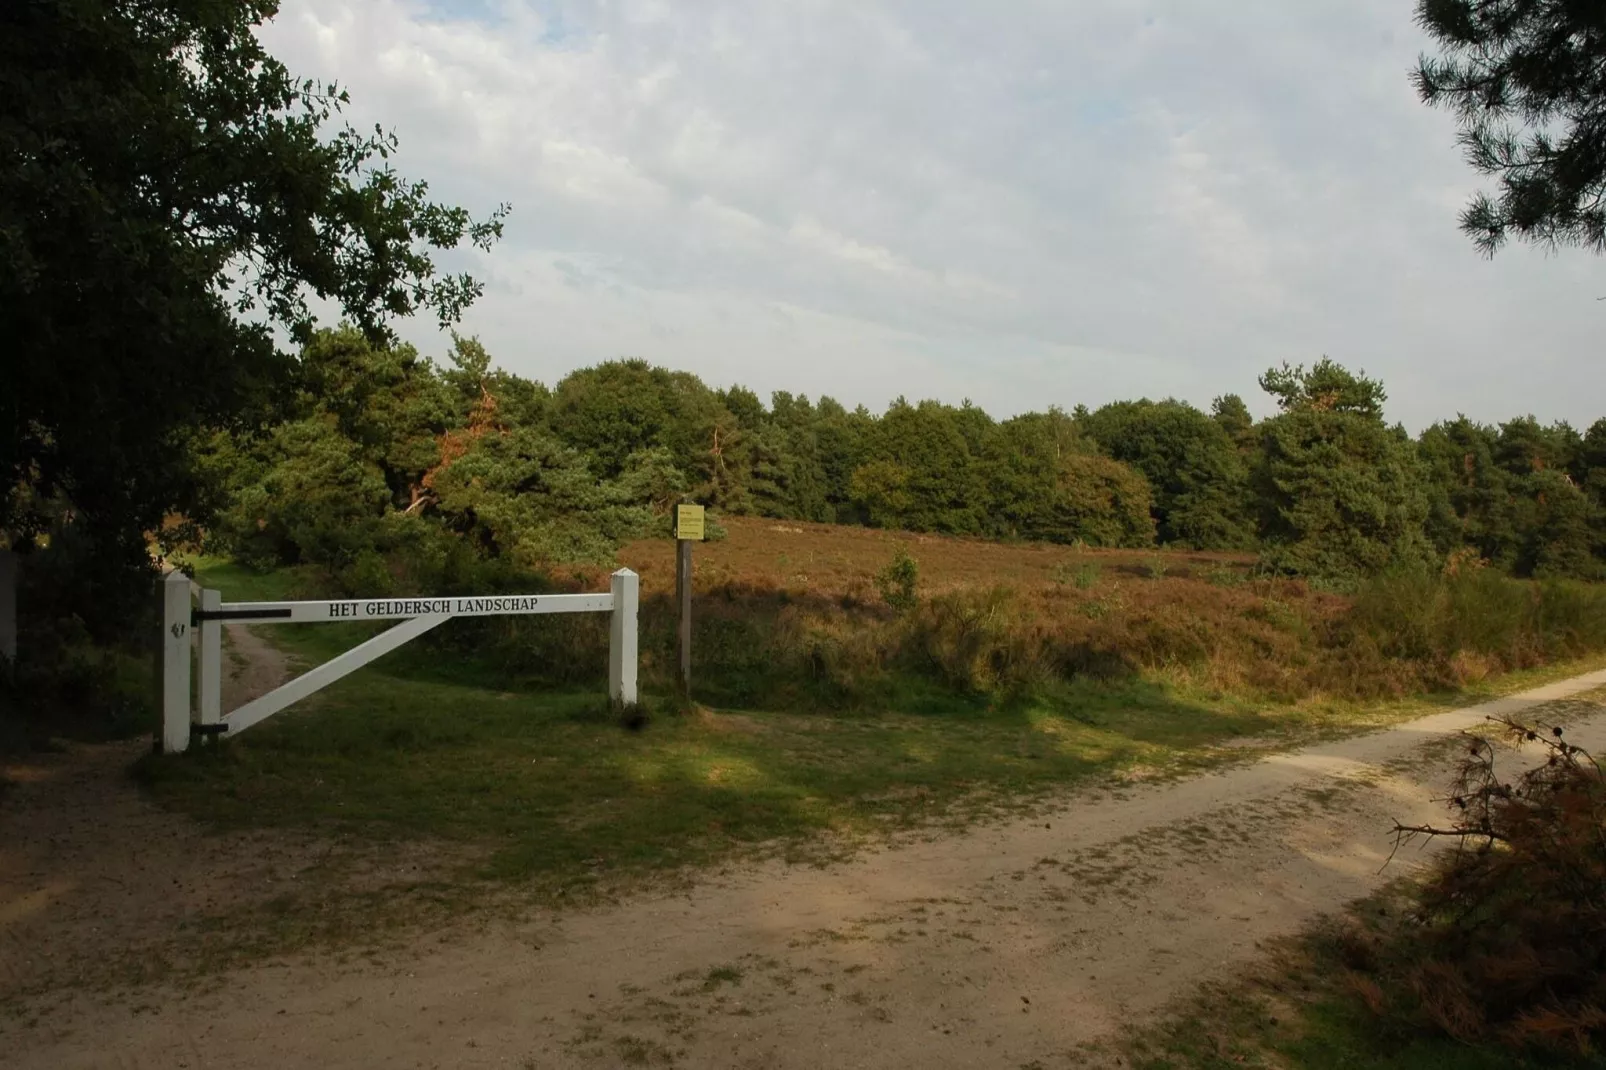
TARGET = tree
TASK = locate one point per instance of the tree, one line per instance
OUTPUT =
(1327, 387)
(523, 495)
(519, 402)
(881, 489)
(842, 438)
(1589, 467)
(312, 499)
(1556, 524)
(1232, 414)
(1526, 80)
(1472, 501)
(1341, 493)
(1199, 481)
(168, 194)
(1519, 494)
(797, 425)
(1098, 501)
(926, 456)
(621, 407)
(364, 427)
(390, 403)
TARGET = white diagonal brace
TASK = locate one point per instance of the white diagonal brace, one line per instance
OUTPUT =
(330, 671)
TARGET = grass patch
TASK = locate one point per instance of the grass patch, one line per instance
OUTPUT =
(722, 975)
(562, 797)
(538, 790)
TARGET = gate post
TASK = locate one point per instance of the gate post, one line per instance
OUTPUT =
(210, 684)
(175, 680)
(622, 642)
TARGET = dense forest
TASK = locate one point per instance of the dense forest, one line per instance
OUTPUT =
(386, 463)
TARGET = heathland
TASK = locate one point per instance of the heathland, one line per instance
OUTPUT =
(959, 639)
(905, 623)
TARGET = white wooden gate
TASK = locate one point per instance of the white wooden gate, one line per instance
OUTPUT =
(418, 615)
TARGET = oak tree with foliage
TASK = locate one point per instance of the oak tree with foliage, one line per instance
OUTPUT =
(1199, 481)
(169, 194)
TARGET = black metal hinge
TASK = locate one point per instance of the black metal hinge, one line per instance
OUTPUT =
(198, 615)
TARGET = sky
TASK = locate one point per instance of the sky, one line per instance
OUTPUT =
(1022, 204)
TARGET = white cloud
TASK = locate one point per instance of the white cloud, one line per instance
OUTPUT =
(1027, 204)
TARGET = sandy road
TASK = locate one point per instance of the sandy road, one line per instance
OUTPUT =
(1005, 946)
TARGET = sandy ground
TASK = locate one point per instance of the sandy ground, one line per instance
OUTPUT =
(1011, 945)
(87, 864)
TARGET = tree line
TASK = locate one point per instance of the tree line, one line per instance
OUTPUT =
(170, 193)
(382, 451)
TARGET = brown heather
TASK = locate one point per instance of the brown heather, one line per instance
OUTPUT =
(788, 612)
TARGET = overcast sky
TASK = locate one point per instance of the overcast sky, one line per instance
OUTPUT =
(1024, 204)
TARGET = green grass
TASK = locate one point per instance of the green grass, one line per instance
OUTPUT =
(558, 793)
(543, 793)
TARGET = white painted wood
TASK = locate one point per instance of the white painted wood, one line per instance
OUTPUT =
(623, 660)
(210, 685)
(8, 605)
(422, 614)
(175, 664)
(391, 608)
(330, 671)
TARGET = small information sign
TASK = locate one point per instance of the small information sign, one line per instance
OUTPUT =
(689, 523)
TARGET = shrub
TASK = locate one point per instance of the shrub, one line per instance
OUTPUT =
(975, 641)
(1085, 575)
(1507, 941)
(898, 581)
(1416, 615)
(83, 667)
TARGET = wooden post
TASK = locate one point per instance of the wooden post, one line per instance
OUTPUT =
(175, 663)
(689, 526)
(622, 643)
(683, 599)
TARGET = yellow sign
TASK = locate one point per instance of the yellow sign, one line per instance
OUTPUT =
(689, 522)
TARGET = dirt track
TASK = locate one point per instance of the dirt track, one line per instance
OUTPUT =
(1007, 946)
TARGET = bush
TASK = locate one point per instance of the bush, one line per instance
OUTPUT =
(1085, 575)
(1507, 942)
(84, 665)
(974, 641)
(1416, 615)
(898, 581)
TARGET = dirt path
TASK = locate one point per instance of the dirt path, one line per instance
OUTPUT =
(254, 667)
(87, 863)
(1008, 946)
